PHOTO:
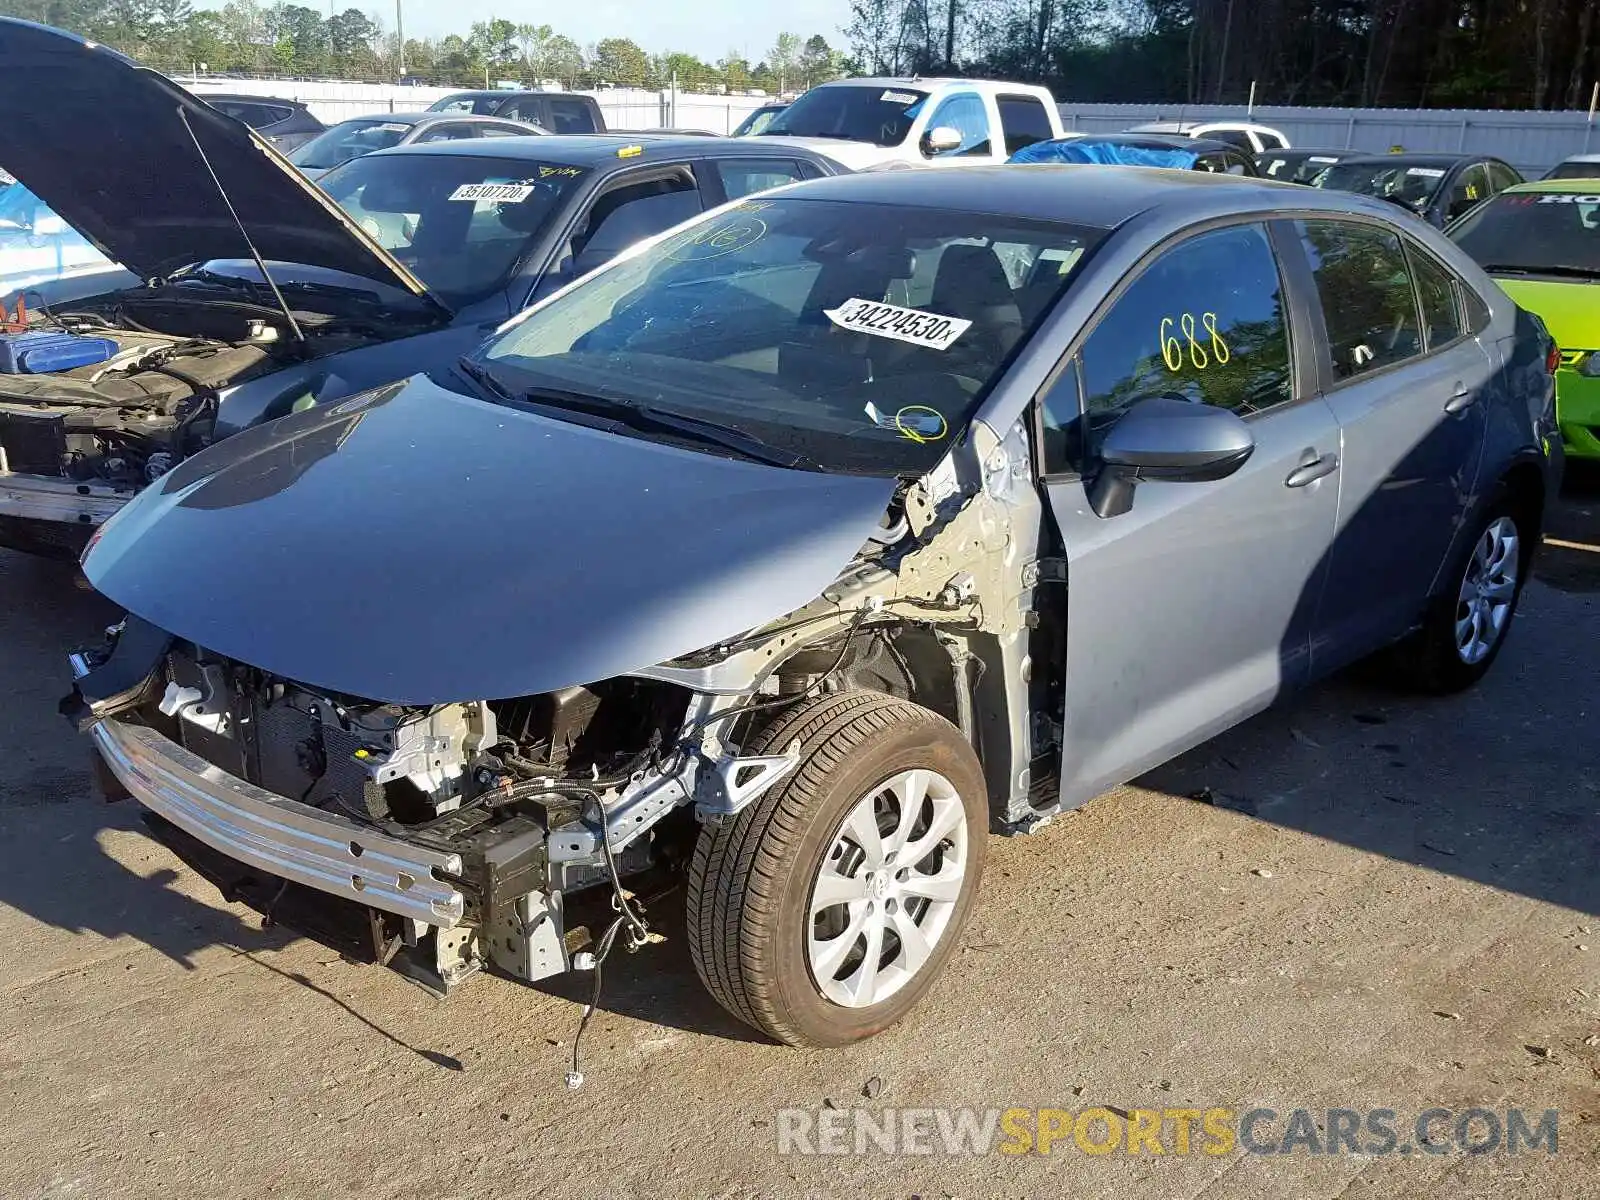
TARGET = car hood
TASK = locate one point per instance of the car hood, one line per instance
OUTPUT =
(109, 151)
(1569, 310)
(417, 546)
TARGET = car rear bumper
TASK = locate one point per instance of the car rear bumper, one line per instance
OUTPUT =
(66, 501)
(1578, 412)
(280, 836)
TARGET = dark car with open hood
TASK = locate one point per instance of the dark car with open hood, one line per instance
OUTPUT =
(784, 556)
(264, 294)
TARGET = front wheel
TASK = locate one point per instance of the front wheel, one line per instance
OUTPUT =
(822, 913)
(1466, 625)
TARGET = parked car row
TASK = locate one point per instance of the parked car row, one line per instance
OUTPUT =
(525, 524)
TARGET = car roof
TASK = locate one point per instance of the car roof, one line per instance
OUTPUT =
(596, 150)
(249, 99)
(915, 81)
(1582, 158)
(1587, 186)
(1314, 152)
(1184, 126)
(1099, 196)
(1419, 159)
(399, 118)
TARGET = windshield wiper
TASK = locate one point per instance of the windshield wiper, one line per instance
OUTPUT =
(482, 376)
(1575, 272)
(648, 418)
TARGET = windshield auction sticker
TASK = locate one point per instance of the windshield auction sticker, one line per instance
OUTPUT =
(902, 324)
(507, 193)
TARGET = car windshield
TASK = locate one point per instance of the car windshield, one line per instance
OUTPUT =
(461, 224)
(1534, 232)
(37, 245)
(1294, 168)
(1412, 186)
(861, 337)
(470, 102)
(347, 140)
(1576, 170)
(756, 122)
(881, 115)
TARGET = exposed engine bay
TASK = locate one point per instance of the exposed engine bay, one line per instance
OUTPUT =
(151, 401)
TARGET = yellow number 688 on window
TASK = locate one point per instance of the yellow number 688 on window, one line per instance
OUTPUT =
(1200, 355)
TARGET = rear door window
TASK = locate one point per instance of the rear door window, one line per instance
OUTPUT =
(448, 131)
(743, 177)
(1369, 305)
(631, 212)
(1436, 290)
(1024, 121)
(569, 115)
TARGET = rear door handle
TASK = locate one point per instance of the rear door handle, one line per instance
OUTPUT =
(1310, 472)
(1462, 399)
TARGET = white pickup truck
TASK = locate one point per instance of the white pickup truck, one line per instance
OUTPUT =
(919, 122)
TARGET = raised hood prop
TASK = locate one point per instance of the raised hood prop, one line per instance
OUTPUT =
(100, 140)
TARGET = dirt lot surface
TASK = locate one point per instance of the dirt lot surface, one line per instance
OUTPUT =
(1388, 903)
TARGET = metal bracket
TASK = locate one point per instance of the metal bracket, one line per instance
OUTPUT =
(1044, 570)
(727, 788)
(526, 940)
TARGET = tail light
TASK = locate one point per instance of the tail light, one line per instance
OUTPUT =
(1552, 360)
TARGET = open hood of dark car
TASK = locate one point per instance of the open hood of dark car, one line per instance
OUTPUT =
(101, 140)
(418, 546)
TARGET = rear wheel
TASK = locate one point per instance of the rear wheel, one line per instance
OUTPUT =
(822, 913)
(1466, 625)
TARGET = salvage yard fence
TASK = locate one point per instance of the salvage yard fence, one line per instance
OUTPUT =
(1532, 142)
(623, 108)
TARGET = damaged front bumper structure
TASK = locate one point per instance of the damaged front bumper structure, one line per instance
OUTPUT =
(480, 880)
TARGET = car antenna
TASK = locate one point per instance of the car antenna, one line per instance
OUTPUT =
(234, 213)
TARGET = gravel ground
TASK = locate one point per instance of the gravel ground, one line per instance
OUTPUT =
(1386, 903)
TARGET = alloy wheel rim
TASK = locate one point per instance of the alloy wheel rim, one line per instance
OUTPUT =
(887, 887)
(1488, 589)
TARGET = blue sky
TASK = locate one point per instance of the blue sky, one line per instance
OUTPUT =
(709, 28)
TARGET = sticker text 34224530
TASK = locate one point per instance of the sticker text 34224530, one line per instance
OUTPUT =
(902, 324)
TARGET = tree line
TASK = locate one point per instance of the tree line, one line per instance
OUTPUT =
(297, 41)
(1541, 54)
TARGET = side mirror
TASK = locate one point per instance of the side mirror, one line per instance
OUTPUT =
(941, 140)
(1171, 440)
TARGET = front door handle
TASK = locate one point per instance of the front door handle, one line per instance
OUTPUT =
(1461, 400)
(1310, 472)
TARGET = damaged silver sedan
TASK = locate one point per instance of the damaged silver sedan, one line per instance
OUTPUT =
(791, 553)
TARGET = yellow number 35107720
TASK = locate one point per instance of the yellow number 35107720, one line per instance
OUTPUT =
(1201, 354)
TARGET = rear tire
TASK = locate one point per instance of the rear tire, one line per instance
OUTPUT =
(1466, 625)
(823, 912)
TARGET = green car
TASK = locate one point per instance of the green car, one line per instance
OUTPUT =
(1541, 242)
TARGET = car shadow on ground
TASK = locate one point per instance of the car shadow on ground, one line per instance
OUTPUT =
(1498, 785)
(1493, 786)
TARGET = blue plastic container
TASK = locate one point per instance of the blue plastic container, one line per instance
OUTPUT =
(43, 352)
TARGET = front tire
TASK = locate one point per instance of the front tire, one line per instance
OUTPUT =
(1466, 625)
(823, 912)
